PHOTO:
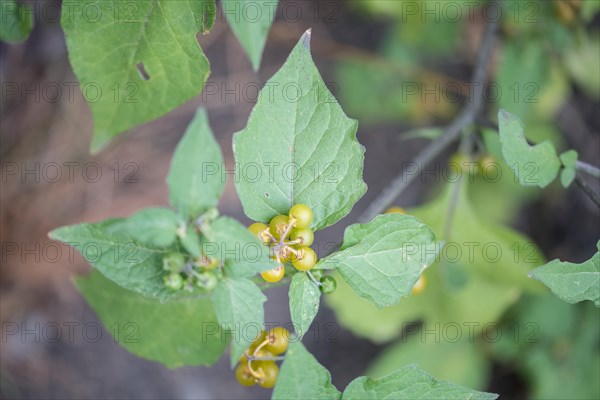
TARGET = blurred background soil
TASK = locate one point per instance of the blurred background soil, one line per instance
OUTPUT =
(37, 294)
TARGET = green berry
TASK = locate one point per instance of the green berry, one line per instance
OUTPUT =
(270, 371)
(257, 228)
(328, 284)
(273, 275)
(278, 225)
(302, 214)
(206, 280)
(278, 340)
(173, 262)
(306, 236)
(173, 281)
(306, 259)
(243, 375)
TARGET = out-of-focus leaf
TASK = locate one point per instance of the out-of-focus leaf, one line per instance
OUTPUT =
(454, 357)
(569, 161)
(149, 328)
(533, 165)
(572, 282)
(16, 22)
(583, 63)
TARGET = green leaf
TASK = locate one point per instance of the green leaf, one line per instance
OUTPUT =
(533, 165)
(107, 246)
(569, 161)
(196, 180)
(495, 259)
(410, 383)
(302, 377)
(153, 227)
(107, 53)
(554, 345)
(239, 307)
(382, 260)
(190, 240)
(16, 22)
(178, 333)
(523, 71)
(460, 361)
(244, 253)
(304, 302)
(298, 147)
(250, 20)
(572, 282)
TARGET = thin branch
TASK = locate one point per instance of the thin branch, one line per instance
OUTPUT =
(451, 133)
(581, 166)
(582, 184)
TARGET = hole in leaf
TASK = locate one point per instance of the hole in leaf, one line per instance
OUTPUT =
(142, 71)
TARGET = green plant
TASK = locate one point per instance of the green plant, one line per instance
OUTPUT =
(173, 270)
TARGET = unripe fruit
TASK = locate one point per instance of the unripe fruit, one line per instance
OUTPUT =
(306, 259)
(328, 284)
(257, 228)
(273, 275)
(173, 281)
(270, 372)
(306, 236)
(244, 376)
(302, 214)
(395, 210)
(419, 285)
(173, 262)
(278, 340)
(277, 225)
(206, 280)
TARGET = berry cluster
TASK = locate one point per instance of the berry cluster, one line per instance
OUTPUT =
(257, 365)
(290, 238)
(195, 272)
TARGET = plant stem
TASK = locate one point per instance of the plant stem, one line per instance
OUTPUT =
(273, 358)
(451, 133)
(581, 183)
(312, 278)
(587, 168)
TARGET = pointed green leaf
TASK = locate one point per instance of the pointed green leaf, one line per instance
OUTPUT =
(298, 147)
(16, 22)
(302, 377)
(251, 20)
(136, 61)
(195, 179)
(244, 254)
(382, 260)
(410, 383)
(533, 165)
(153, 227)
(572, 282)
(107, 246)
(239, 307)
(304, 302)
(178, 333)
